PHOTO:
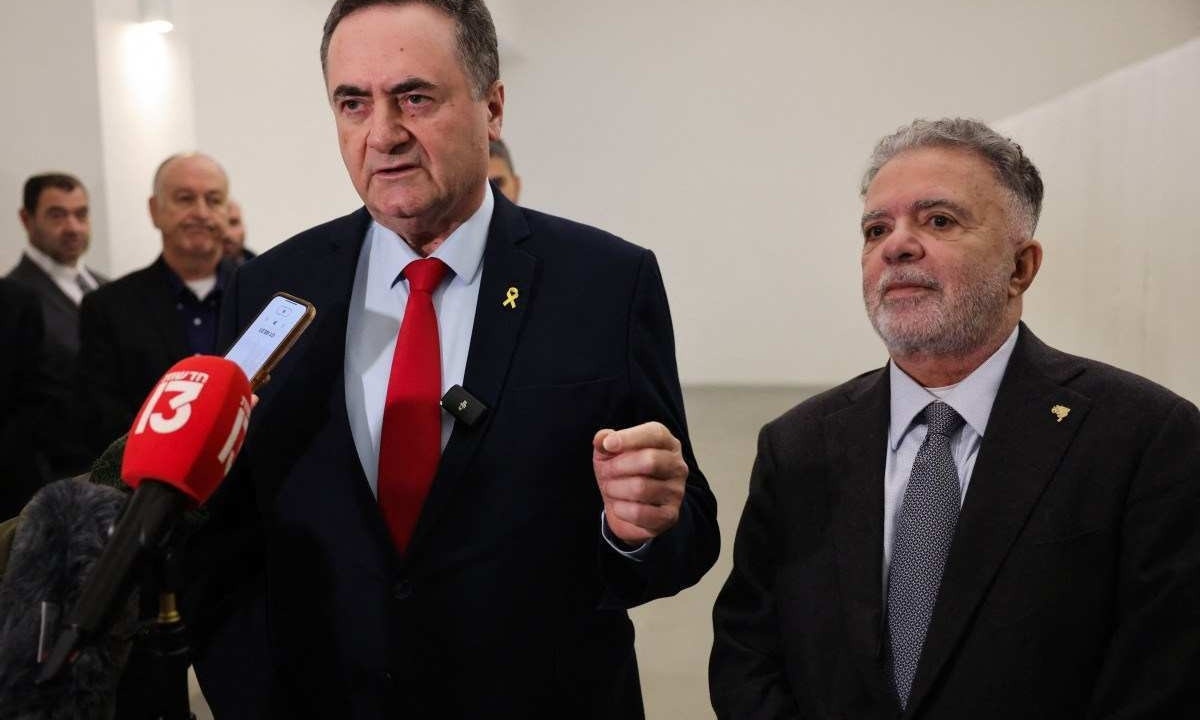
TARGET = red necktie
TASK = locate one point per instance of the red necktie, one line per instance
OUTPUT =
(411, 439)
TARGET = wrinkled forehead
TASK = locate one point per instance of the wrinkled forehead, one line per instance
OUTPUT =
(920, 177)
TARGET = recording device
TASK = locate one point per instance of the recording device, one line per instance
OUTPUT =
(465, 407)
(181, 445)
(265, 341)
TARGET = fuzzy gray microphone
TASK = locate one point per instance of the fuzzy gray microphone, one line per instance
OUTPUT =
(59, 536)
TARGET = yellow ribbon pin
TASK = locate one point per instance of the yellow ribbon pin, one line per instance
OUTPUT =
(1061, 412)
(510, 301)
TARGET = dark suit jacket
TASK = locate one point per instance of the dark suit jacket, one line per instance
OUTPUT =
(1072, 589)
(59, 311)
(27, 391)
(130, 334)
(508, 603)
(61, 342)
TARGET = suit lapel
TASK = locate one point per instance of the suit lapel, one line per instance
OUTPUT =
(493, 341)
(1022, 448)
(857, 441)
(34, 275)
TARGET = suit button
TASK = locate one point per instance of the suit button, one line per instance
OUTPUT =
(402, 590)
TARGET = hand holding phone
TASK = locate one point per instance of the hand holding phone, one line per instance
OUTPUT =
(267, 339)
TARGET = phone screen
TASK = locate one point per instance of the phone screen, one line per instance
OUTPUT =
(269, 330)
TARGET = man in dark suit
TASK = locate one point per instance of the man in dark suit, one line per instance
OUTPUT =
(56, 215)
(56, 218)
(985, 528)
(134, 328)
(27, 391)
(371, 556)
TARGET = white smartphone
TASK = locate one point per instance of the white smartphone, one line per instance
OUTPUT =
(265, 341)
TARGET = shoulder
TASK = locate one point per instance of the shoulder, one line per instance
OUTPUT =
(809, 415)
(556, 238)
(1111, 389)
(123, 292)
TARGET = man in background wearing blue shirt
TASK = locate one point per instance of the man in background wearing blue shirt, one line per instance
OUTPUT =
(986, 527)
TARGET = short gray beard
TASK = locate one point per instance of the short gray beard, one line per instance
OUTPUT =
(951, 326)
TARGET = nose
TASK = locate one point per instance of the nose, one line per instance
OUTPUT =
(75, 225)
(387, 132)
(902, 245)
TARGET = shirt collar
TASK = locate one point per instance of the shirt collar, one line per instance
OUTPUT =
(52, 267)
(180, 289)
(462, 251)
(972, 398)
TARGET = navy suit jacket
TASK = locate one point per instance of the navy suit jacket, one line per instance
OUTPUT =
(508, 602)
(1072, 588)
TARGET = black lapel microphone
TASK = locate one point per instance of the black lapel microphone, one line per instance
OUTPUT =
(465, 407)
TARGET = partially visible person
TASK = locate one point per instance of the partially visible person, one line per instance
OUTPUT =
(985, 528)
(27, 394)
(234, 240)
(137, 326)
(501, 172)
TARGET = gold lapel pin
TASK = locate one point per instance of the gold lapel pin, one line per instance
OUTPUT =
(510, 300)
(1060, 411)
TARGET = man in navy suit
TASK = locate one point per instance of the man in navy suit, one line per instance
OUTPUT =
(985, 528)
(323, 586)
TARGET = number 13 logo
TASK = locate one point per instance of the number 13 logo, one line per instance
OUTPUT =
(180, 405)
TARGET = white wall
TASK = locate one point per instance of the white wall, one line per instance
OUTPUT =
(146, 116)
(729, 137)
(1122, 239)
(51, 119)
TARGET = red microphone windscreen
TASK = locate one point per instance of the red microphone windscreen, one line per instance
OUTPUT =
(190, 428)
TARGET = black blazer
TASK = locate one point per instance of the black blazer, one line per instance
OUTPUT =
(59, 311)
(1072, 589)
(27, 391)
(508, 602)
(130, 334)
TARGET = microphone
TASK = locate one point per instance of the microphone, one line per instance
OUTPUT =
(181, 445)
(60, 534)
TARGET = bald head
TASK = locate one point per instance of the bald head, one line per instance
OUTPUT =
(189, 208)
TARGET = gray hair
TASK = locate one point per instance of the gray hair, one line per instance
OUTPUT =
(1013, 169)
(478, 48)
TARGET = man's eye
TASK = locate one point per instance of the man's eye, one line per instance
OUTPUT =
(874, 232)
(941, 221)
(416, 100)
(351, 105)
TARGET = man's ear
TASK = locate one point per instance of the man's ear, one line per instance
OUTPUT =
(1025, 269)
(152, 204)
(495, 107)
(26, 218)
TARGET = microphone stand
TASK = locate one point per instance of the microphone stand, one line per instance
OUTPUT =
(169, 645)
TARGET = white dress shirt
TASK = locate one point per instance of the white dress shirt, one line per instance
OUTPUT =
(377, 306)
(972, 398)
(63, 276)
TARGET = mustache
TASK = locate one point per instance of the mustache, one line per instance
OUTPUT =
(906, 276)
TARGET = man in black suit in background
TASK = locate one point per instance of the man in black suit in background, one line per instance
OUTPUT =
(985, 528)
(397, 561)
(134, 328)
(56, 215)
(55, 212)
(27, 391)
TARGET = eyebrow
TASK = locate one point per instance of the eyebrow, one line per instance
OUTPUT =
(919, 205)
(400, 88)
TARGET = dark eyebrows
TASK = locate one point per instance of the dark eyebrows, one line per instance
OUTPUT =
(872, 215)
(400, 88)
(342, 91)
(410, 85)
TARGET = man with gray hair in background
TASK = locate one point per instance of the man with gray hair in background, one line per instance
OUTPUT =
(986, 527)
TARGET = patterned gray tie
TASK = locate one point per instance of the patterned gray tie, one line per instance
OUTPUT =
(924, 531)
(83, 284)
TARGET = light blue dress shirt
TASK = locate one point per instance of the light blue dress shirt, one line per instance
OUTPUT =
(377, 306)
(972, 398)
